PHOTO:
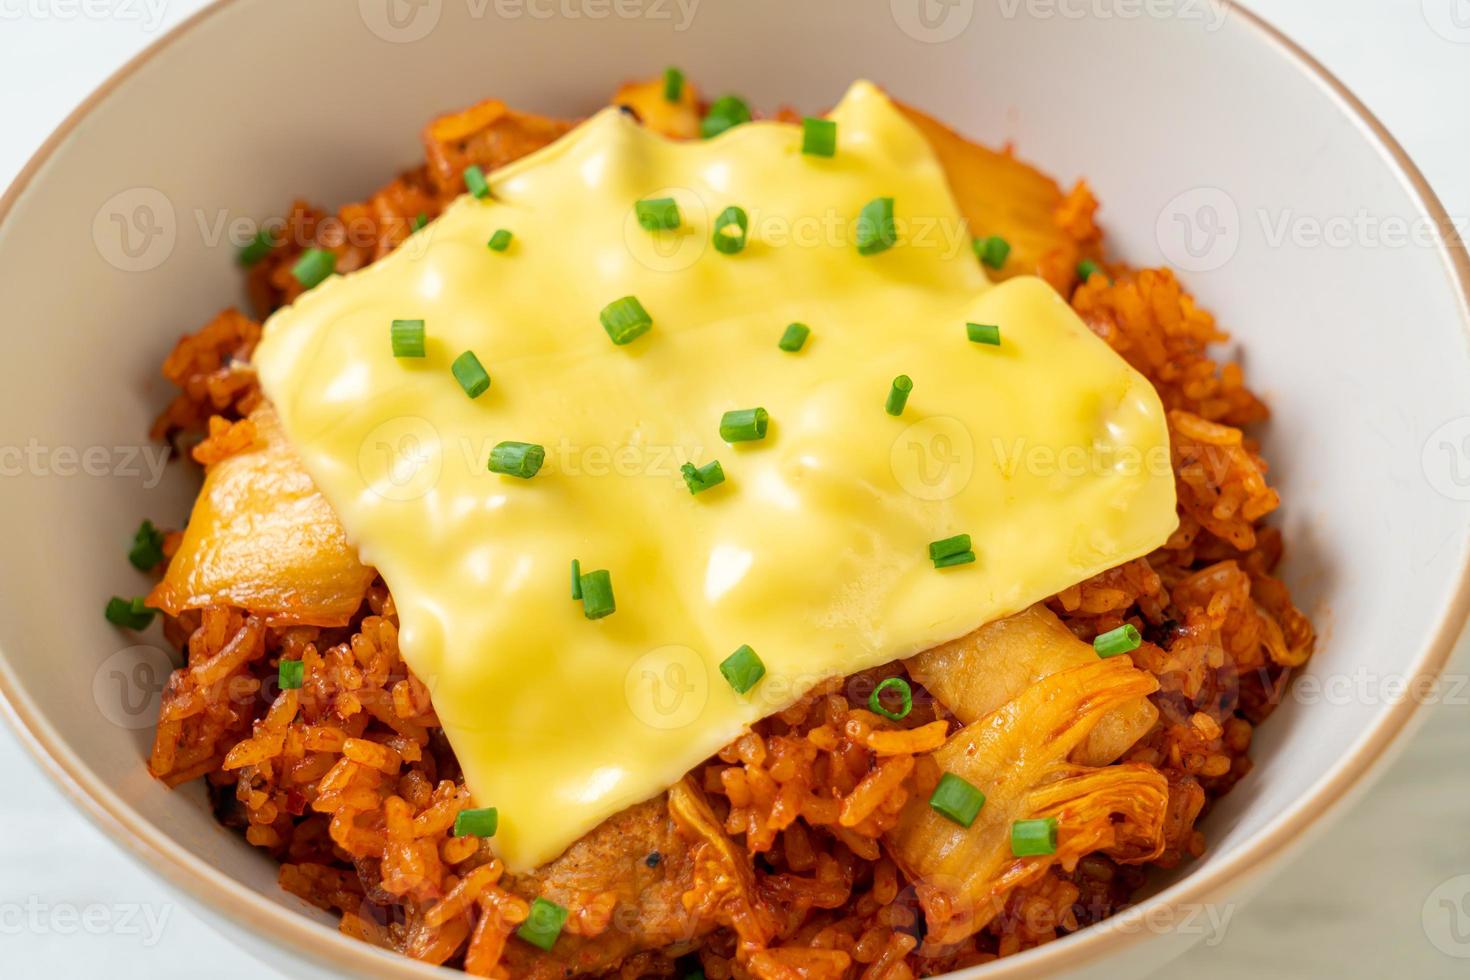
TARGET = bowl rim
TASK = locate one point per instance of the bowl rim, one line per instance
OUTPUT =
(227, 899)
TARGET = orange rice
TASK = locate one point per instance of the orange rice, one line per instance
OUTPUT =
(767, 861)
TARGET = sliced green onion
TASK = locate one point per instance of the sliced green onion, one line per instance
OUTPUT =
(728, 241)
(983, 333)
(625, 320)
(673, 84)
(500, 241)
(744, 425)
(700, 478)
(794, 337)
(724, 113)
(128, 613)
(419, 222)
(470, 374)
(408, 338)
(597, 595)
(944, 548)
(949, 561)
(477, 823)
(819, 137)
(1124, 639)
(992, 251)
(475, 183)
(1086, 268)
(543, 924)
(743, 669)
(576, 579)
(257, 248)
(147, 549)
(875, 228)
(519, 459)
(898, 394)
(290, 674)
(905, 694)
(1032, 837)
(956, 799)
(657, 214)
(314, 265)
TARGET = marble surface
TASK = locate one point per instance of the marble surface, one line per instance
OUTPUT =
(1359, 900)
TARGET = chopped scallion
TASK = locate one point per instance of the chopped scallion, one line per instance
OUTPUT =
(470, 374)
(905, 695)
(576, 579)
(597, 595)
(625, 320)
(818, 137)
(408, 338)
(673, 84)
(315, 265)
(519, 459)
(290, 674)
(730, 230)
(1086, 268)
(875, 229)
(724, 113)
(543, 924)
(1124, 639)
(992, 251)
(128, 613)
(500, 241)
(950, 561)
(657, 214)
(147, 549)
(744, 425)
(1033, 837)
(956, 799)
(983, 333)
(700, 478)
(944, 548)
(419, 221)
(257, 248)
(743, 669)
(898, 394)
(477, 823)
(794, 337)
(475, 182)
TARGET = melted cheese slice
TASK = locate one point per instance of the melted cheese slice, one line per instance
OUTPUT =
(1048, 450)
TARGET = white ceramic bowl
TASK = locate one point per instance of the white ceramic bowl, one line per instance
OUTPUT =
(1214, 144)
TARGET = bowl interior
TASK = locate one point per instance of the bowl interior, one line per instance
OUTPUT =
(1210, 149)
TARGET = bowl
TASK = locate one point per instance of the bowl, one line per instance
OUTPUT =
(1215, 145)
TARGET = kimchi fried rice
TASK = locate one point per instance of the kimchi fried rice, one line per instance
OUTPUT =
(775, 858)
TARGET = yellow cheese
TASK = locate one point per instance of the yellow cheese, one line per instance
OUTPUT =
(1048, 449)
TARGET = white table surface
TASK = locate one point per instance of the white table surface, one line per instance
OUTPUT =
(1354, 902)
